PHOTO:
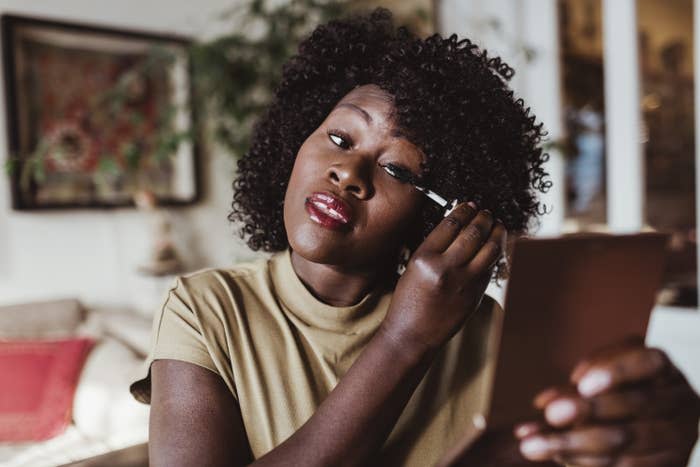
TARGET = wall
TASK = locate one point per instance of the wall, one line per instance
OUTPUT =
(92, 254)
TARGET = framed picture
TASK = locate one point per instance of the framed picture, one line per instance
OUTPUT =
(97, 115)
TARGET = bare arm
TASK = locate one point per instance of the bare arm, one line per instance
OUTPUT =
(194, 419)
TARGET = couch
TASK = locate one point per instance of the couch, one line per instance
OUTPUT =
(105, 417)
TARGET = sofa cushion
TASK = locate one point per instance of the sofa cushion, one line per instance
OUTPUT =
(103, 405)
(37, 383)
(55, 319)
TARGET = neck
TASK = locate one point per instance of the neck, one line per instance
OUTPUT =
(335, 285)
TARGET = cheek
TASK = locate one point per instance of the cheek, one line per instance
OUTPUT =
(307, 165)
(292, 196)
(398, 213)
(305, 169)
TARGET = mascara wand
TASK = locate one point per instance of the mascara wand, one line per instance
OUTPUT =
(406, 176)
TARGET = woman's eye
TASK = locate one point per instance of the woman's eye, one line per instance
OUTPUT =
(399, 172)
(339, 141)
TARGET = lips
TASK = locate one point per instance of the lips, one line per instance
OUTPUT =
(328, 210)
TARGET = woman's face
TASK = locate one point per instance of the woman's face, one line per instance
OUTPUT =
(341, 206)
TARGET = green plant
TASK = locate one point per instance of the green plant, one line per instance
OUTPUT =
(235, 74)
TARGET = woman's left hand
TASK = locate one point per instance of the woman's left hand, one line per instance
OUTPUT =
(627, 406)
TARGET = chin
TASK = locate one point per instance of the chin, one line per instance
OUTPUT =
(315, 248)
(322, 246)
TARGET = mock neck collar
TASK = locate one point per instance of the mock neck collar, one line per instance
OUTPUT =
(298, 300)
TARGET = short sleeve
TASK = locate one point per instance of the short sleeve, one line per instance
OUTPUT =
(176, 335)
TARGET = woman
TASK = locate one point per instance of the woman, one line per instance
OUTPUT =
(323, 354)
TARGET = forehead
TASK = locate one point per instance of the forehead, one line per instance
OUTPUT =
(377, 106)
(372, 98)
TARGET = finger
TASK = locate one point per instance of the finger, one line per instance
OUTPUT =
(656, 435)
(562, 406)
(642, 401)
(470, 239)
(551, 393)
(624, 345)
(491, 251)
(585, 461)
(567, 411)
(523, 430)
(629, 366)
(639, 401)
(589, 440)
(449, 227)
(658, 459)
(631, 439)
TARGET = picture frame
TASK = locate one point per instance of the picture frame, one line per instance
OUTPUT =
(96, 115)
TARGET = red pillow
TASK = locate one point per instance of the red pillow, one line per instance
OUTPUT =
(37, 383)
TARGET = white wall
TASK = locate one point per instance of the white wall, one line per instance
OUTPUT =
(92, 254)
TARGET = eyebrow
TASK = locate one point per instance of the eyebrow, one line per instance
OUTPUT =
(397, 133)
(363, 112)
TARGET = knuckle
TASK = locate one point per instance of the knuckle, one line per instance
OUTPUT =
(431, 270)
(452, 221)
(658, 357)
(472, 233)
(422, 262)
(459, 217)
(441, 282)
(610, 437)
(560, 442)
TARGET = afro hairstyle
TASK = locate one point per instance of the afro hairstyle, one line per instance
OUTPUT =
(451, 99)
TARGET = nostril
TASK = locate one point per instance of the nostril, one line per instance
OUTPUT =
(349, 181)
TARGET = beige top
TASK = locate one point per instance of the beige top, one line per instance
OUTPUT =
(281, 351)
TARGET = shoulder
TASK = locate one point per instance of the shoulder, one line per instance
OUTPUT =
(205, 282)
(215, 277)
(218, 290)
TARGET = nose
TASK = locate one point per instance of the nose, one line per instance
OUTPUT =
(353, 177)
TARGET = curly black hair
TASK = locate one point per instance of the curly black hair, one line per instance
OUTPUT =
(450, 98)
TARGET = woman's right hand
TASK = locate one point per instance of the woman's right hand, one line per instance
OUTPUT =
(445, 279)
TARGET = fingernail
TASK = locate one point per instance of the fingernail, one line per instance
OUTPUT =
(560, 411)
(525, 429)
(472, 205)
(489, 213)
(533, 447)
(595, 382)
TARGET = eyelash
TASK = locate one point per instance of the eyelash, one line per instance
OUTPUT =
(343, 136)
(347, 143)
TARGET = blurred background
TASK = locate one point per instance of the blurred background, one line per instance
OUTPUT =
(124, 121)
